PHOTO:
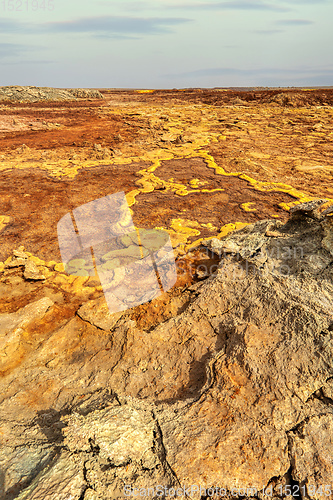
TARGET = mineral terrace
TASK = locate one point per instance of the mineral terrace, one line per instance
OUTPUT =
(224, 381)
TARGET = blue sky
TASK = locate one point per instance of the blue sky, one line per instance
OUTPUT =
(166, 44)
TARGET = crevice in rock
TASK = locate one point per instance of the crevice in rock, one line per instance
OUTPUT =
(51, 425)
(81, 497)
(86, 486)
(95, 449)
(294, 485)
(115, 395)
(298, 427)
(162, 454)
(87, 321)
(321, 397)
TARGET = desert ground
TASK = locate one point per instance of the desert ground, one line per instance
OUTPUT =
(191, 162)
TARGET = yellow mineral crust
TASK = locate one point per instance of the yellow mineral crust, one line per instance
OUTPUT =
(4, 220)
(194, 125)
(247, 207)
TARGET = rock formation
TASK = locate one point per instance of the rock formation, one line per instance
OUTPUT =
(232, 390)
(35, 94)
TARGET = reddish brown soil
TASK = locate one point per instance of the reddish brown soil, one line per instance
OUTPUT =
(284, 135)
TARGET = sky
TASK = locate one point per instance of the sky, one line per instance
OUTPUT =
(166, 44)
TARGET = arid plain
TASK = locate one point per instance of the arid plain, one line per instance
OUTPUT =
(200, 164)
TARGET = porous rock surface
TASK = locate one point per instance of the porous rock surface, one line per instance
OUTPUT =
(234, 391)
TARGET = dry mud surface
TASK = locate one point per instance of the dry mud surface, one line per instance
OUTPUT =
(225, 380)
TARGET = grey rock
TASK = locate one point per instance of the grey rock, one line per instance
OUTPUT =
(327, 241)
(63, 480)
(122, 435)
(34, 94)
(219, 246)
(22, 464)
(309, 209)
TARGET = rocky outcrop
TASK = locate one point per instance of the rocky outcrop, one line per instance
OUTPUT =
(35, 94)
(86, 93)
(21, 258)
(234, 391)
